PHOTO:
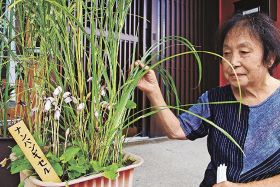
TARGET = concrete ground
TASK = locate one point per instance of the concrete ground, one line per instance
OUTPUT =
(175, 163)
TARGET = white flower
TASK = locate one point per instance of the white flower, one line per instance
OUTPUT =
(57, 91)
(33, 110)
(96, 114)
(67, 133)
(68, 100)
(54, 103)
(66, 94)
(103, 92)
(105, 105)
(50, 98)
(13, 156)
(81, 106)
(48, 103)
(74, 100)
(66, 137)
(89, 79)
(57, 114)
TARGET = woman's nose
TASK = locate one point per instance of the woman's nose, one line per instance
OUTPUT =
(235, 61)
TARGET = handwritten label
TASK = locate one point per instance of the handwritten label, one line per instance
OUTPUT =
(33, 152)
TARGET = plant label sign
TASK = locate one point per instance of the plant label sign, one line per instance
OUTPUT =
(33, 152)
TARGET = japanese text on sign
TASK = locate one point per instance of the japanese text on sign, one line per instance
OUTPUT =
(33, 152)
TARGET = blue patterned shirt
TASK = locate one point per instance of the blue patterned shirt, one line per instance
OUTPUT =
(256, 129)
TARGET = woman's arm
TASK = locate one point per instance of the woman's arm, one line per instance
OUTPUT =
(166, 119)
(269, 182)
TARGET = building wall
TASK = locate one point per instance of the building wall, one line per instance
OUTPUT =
(196, 20)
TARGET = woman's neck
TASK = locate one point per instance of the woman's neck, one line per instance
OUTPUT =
(253, 95)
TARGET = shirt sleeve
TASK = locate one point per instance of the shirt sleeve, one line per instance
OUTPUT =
(193, 126)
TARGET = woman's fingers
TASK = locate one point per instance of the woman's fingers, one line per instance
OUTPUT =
(141, 64)
(137, 63)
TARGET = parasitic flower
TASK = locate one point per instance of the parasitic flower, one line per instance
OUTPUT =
(57, 91)
(48, 103)
(57, 114)
(81, 106)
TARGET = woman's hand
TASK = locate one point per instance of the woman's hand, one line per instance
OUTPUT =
(148, 83)
(227, 184)
(164, 117)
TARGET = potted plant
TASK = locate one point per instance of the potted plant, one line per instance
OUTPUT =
(71, 109)
(6, 142)
(7, 95)
(77, 97)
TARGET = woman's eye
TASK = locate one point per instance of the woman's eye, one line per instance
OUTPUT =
(226, 53)
(245, 52)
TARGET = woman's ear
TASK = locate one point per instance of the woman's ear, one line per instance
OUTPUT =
(270, 60)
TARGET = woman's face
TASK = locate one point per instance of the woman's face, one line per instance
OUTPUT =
(245, 53)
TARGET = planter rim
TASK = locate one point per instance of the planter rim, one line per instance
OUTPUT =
(137, 163)
(6, 138)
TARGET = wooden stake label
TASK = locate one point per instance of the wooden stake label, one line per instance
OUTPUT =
(33, 152)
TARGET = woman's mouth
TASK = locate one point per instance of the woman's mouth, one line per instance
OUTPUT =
(238, 75)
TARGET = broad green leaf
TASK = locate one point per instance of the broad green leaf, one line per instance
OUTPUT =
(17, 151)
(112, 167)
(73, 174)
(57, 167)
(52, 157)
(21, 184)
(110, 175)
(131, 104)
(77, 168)
(20, 165)
(82, 160)
(96, 166)
(72, 161)
(70, 153)
(111, 171)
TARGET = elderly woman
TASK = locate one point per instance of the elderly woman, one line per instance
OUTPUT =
(251, 43)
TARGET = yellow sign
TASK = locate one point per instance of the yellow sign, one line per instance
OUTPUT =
(33, 152)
